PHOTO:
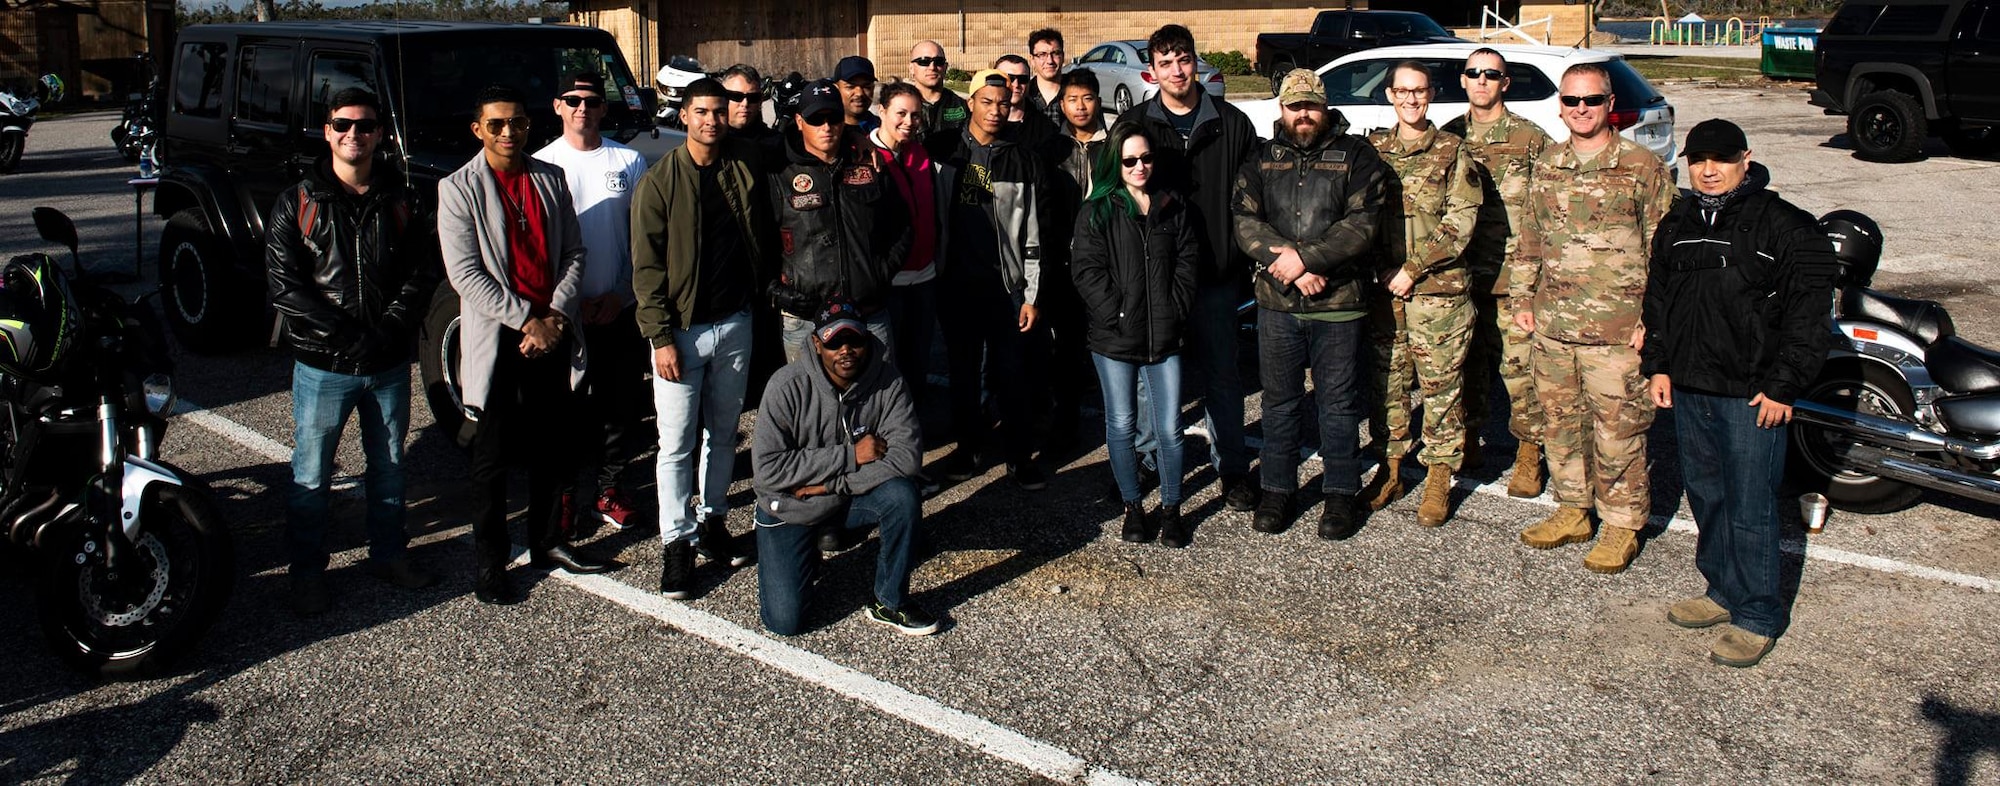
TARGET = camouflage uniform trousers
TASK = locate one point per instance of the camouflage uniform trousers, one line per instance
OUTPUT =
(1597, 411)
(1420, 344)
(1496, 340)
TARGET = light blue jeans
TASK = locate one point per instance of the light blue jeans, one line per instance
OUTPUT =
(1122, 412)
(697, 418)
(321, 402)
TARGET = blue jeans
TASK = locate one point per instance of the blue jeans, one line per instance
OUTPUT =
(1211, 360)
(787, 554)
(697, 418)
(1121, 381)
(1286, 346)
(321, 402)
(1732, 469)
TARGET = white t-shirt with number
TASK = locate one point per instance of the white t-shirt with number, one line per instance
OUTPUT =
(601, 182)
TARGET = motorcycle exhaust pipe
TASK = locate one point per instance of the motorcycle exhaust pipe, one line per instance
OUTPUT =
(1917, 472)
(1814, 508)
(1901, 435)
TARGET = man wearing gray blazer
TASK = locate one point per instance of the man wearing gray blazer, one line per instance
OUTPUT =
(514, 253)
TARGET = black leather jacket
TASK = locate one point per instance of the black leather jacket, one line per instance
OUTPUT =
(352, 276)
(842, 227)
(1326, 201)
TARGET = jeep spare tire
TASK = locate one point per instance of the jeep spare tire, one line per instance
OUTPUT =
(206, 302)
(1887, 126)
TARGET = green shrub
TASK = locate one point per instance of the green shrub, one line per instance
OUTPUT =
(957, 75)
(1230, 63)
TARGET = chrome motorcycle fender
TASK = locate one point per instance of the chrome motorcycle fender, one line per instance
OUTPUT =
(140, 474)
(1889, 347)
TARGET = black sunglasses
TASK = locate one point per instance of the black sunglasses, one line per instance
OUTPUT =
(342, 125)
(823, 118)
(1019, 79)
(735, 97)
(1132, 161)
(927, 62)
(843, 340)
(1490, 74)
(590, 101)
(495, 124)
(1594, 99)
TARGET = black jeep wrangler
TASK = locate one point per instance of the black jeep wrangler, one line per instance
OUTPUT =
(1903, 69)
(244, 121)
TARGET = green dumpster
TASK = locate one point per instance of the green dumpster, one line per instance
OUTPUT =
(1788, 52)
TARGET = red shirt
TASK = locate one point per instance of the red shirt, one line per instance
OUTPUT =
(527, 238)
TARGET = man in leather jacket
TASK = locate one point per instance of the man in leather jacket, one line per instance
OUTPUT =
(352, 265)
(1737, 326)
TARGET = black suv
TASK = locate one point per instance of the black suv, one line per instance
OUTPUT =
(244, 121)
(1903, 69)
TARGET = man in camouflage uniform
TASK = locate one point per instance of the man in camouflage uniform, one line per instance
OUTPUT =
(1504, 146)
(1422, 323)
(1592, 207)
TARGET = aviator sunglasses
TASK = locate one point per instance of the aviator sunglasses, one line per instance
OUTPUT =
(495, 124)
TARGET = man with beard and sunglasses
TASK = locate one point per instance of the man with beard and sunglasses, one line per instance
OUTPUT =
(1308, 210)
(1504, 146)
(601, 174)
(352, 265)
(944, 111)
(514, 251)
(1593, 203)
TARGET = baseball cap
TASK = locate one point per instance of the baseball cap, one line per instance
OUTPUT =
(838, 316)
(821, 96)
(1715, 137)
(853, 67)
(1301, 85)
(585, 80)
(988, 77)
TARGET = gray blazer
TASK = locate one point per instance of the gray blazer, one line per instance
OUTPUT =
(472, 220)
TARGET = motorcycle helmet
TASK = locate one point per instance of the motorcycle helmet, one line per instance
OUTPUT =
(53, 89)
(39, 318)
(1857, 244)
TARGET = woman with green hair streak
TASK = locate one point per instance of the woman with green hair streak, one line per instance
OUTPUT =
(1133, 258)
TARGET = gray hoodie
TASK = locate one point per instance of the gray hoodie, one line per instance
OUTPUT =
(806, 430)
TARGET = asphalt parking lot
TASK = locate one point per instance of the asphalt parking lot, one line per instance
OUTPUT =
(1405, 655)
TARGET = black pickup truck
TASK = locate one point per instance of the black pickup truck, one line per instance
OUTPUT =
(1902, 70)
(1336, 33)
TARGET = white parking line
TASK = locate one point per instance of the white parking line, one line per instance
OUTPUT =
(971, 730)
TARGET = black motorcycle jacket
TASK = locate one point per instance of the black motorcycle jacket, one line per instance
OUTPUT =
(352, 276)
(1326, 201)
(842, 227)
(1739, 300)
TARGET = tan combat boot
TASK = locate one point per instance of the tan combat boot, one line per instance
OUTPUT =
(1387, 485)
(1563, 527)
(1740, 648)
(1527, 480)
(1697, 612)
(1614, 550)
(1437, 497)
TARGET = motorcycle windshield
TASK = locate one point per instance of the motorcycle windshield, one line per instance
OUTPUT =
(434, 100)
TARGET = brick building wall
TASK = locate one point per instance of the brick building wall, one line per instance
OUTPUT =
(1002, 26)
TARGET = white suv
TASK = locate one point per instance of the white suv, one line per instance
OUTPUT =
(1356, 84)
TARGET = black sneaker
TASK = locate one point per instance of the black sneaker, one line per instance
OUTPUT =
(1136, 529)
(1337, 520)
(1174, 531)
(1274, 513)
(927, 486)
(1028, 475)
(677, 570)
(960, 466)
(908, 620)
(714, 543)
(1239, 493)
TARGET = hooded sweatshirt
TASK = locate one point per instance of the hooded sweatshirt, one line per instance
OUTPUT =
(806, 432)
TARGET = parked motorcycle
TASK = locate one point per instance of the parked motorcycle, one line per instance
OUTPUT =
(1904, 404)
(134, 562)
(672, 84)
(785, 95)
(138, 132)
(17, 114)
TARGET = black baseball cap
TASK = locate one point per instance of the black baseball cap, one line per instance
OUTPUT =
(853, 67)
(838, 316)
(821, 96)
(1715, 137)
(585, 80)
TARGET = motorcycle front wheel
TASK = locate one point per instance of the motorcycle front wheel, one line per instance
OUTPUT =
(10, 151)
(137, 624)
(1817, 458)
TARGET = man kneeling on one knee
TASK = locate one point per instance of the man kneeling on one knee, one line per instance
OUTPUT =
(837, 440)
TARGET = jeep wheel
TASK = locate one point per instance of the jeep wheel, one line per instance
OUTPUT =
(199, 290)
(1278, 71)
(1887, 126)
(437, 359)
(1973, 141)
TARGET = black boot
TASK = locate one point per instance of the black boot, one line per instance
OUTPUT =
(1274, 513)
(677, 570)
(1174, 531)
(493, 587)
(1136, 529)
(1337, 520)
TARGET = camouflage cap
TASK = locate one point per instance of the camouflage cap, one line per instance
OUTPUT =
(1301, 85)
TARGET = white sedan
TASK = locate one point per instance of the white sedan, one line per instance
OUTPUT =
(1356, 85)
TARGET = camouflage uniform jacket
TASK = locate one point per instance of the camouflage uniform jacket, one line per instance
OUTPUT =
(1506, 156)
(1589, 223)
(1325, 201)
(1439, 197)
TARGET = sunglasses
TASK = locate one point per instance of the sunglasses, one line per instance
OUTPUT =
(1133, 161)
(1019, 79)
(843, 340)
(342, 125)
(1594, 99)
(750, 98)
(493, 125)
(1488, 74)
(928, 62)
(573, 101)
(822, 118)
